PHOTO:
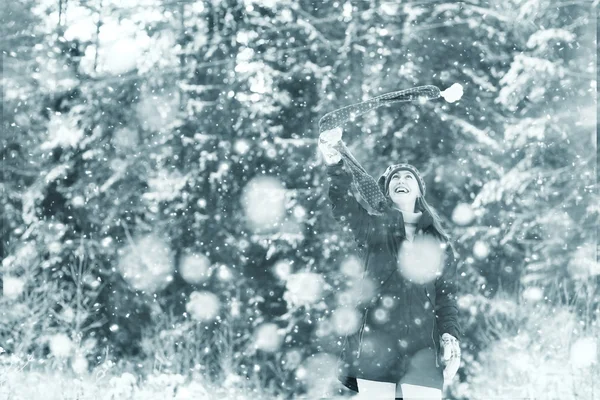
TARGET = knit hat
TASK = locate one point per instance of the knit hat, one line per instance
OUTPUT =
(384, 180)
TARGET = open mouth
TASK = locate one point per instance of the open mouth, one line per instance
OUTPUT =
(401, 189)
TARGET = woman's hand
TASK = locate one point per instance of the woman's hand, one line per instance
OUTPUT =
(327, 140)
(450, 355)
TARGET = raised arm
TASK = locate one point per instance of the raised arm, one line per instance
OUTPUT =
(346, 209)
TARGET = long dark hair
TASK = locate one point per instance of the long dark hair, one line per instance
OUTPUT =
(436, 229)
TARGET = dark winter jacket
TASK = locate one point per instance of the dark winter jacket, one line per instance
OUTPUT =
(403, 317)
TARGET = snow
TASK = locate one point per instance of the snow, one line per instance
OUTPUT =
(389, 8)
(56, 173)
(453, 93)
(241, 146)
(156, 111)
(481, 250)
(203, 306)
(165, 186)
(299, 212)
(533, 294)
(224, 273)
(147, 264)
(584, 263)
(463, 214)
(584, 352)
(359, 291)
(345, 320)
(513, 170)
(60, 345)
(525, 69)
(121, 45)
(381, 316)
(465, 301)
(81, 26)
(422, 260)
(482, 136)
(543, 39)
(245, 37)
(283, 269)
(347, 10)
(268, 338)
(263, 200)
(62, 131)
(12, 287)
(525, 130)
(318, 371)
(78, 201)
(79, 364)
(304, 289)
(195, 268)
(481, 80)
(124, 139)
(352, 267)
(67, 314)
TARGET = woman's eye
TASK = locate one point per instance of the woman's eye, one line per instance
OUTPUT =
(409, 176)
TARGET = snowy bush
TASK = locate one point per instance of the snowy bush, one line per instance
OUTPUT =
(543, 352)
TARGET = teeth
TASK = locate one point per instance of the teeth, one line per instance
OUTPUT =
(401, 189)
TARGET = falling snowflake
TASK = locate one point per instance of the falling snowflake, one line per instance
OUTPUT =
(79, 364)
(345, 320)
(264, 202)
(268, 338)
(352, 267)
(147, 264)
(195, 268)
(203, 306)
(12, 287)
(60, 345)
(360, 291)
(533, 294)
(422, 260)
(283, 269)
(463, 214)
(481, 250)
(304, 288)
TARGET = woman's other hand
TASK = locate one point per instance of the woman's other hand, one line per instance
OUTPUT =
(450, 355)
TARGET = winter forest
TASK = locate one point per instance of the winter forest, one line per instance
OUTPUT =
(166, 231)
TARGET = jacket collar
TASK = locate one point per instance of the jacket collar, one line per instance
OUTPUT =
(396, 220)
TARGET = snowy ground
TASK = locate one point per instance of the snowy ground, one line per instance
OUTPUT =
(18, 385)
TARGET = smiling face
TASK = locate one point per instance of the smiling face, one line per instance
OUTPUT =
(404, 189)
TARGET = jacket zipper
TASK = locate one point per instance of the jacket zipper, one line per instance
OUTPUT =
(362, 328)
(362, 331)
(433, 327)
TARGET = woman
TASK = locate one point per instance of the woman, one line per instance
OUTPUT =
(411, 317)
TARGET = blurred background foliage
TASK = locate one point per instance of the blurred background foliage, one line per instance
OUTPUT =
(164, 205)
